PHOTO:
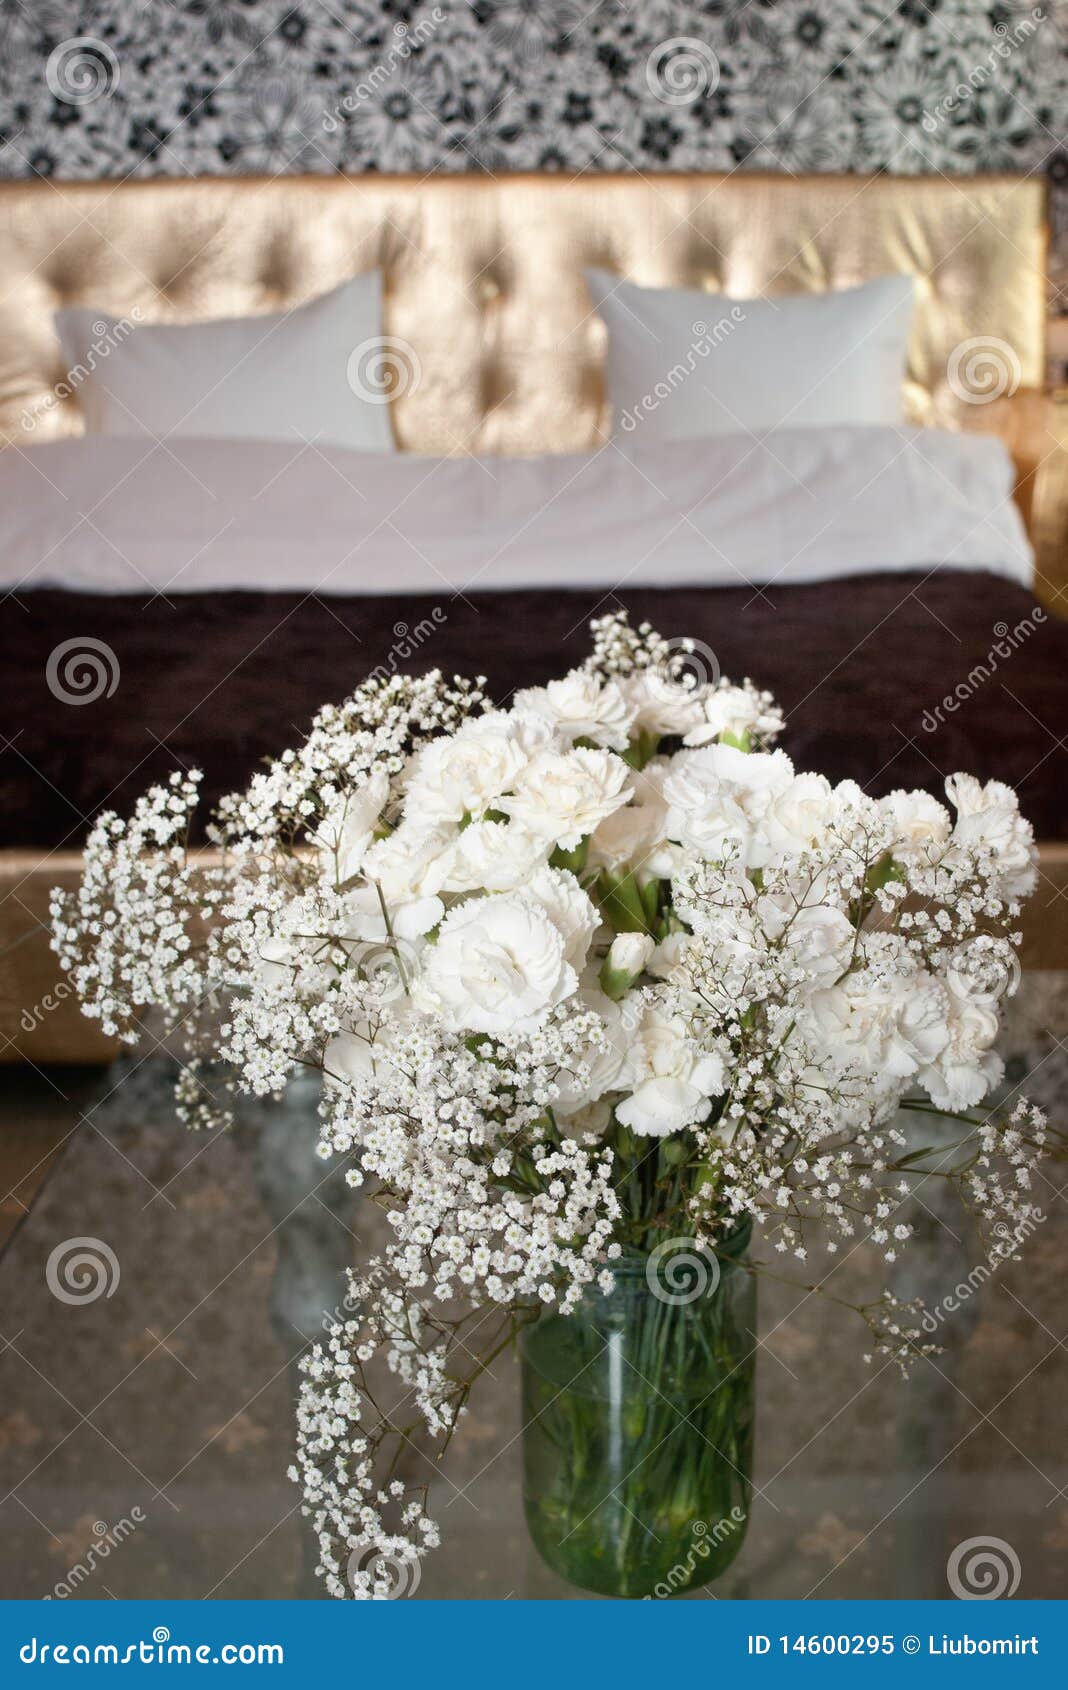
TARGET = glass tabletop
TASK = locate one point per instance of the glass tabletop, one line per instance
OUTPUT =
(155, 1299)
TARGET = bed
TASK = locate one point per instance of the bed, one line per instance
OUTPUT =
(484, 287)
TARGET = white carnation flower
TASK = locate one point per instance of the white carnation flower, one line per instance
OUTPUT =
(798, 818)
(604, 1057)
(990, 816)
(920, 825)
(818, 938)
(661, 705)
(490, 857)
(635, 837)
(467, 772)
(627, 837)
(737, 711)
(405, 864)
(409, 918)
(966, 1066)
(673, 1081)
(498, 967)
(593, 1119)
(717, 796)
(532, 733)
(561, 896)
(856, 812)
(882, 1022)
(276, 958)
(704, 815)
(670, 955)
(581, 707)
(502, 962)
(349, 1056)
(358, 1055)
(563, 795)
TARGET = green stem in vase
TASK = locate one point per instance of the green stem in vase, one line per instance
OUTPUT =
(638, 1430)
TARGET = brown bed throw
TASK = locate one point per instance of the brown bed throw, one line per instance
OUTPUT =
(862, 667)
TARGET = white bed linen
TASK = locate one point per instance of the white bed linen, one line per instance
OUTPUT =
(113, 515)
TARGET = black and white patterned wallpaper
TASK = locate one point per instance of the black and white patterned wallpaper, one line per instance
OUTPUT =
(117, 87)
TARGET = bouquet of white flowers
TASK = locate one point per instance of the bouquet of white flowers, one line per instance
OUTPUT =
(593, 981)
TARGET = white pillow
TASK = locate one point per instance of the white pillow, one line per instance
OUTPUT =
(283, 376)
(683, 365)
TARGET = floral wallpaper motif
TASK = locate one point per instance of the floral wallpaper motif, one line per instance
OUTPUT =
(116, 87)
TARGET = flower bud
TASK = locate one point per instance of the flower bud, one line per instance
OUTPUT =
(626, 958)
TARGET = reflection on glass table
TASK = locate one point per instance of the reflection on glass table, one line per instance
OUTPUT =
(147, 1379)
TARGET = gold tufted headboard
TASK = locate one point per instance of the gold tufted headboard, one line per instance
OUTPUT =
(484, 277)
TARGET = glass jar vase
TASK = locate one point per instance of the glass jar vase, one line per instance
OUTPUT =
(638, 1423)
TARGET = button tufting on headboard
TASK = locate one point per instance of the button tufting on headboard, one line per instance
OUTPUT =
(484, 275)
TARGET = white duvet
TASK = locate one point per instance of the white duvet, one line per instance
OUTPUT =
(129, 516)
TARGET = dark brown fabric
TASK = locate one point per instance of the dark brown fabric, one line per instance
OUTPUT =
(222, 680)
